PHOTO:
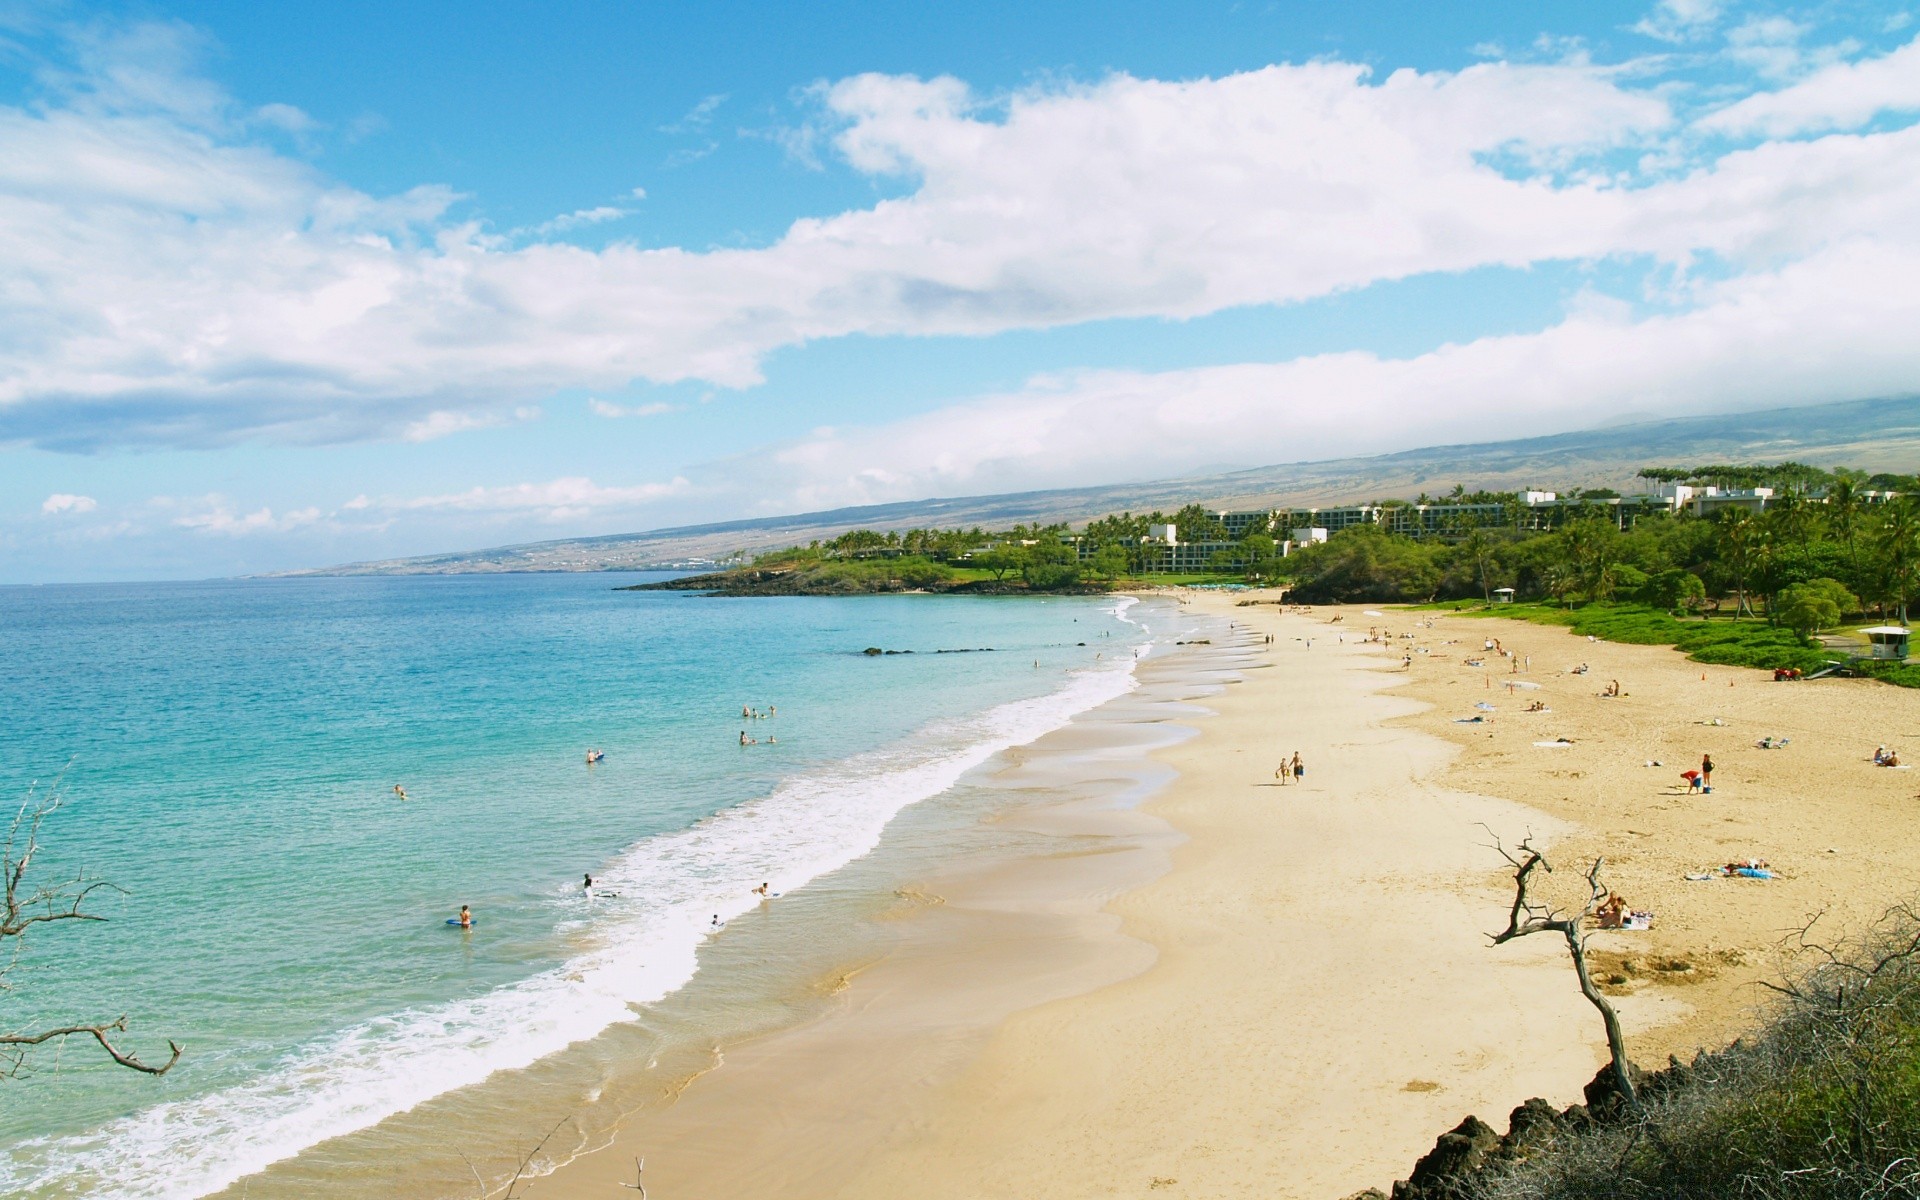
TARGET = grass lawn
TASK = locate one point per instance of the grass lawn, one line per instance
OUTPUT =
(1721, 640)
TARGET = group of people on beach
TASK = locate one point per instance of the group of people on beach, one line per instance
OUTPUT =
(1883, 757)
(1291, 769)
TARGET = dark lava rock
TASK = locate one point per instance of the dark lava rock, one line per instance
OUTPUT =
(1456, 1154)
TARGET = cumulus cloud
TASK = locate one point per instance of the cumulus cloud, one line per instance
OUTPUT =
(214, 514)
(167, 280)
(67, 502)
(1839, 96)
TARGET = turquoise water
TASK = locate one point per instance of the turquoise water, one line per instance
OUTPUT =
(233, 750)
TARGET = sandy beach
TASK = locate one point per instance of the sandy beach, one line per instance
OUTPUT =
(1245, 989)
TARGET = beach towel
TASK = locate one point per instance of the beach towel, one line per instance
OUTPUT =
(1553, 745)
(1753, 872)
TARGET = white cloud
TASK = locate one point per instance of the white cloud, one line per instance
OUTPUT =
(1679, 20)
(698, 118)
(67, 502)
(180, 287)
(1840, 96)
(213, 514)
(580, 218)
(1766, 339)
(556, 500)
(165, 281)
(444, 422)
(603, 408)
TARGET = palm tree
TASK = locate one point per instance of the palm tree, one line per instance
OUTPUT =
(1900, 553)
(1741, 539)
(1478, 549)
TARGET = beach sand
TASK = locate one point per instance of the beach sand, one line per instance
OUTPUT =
(1242, 989)
(1839, 831)
(1297, 1004)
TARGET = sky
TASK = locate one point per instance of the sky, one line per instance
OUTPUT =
(285, 285)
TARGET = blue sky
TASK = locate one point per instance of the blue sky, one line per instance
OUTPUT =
(284, 285)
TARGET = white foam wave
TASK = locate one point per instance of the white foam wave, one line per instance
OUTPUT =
(672, 887)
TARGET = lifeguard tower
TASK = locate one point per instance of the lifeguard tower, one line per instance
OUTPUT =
(1887, 643)
(1503, 595)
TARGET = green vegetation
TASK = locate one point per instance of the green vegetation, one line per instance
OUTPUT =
(1723, 642)
(1830, 545)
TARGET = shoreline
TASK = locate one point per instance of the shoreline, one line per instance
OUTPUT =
(1120, 959)
(775, 967)
(1018, 919)
(1273, 1030)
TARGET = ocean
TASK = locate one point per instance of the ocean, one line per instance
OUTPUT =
(227, 754)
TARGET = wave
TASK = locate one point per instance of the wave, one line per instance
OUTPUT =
(643, 946)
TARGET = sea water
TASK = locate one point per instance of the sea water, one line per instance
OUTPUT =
(227, 753)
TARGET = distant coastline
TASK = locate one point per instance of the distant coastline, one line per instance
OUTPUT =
(787, 581)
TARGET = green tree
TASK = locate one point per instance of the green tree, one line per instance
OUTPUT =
(1000, 560)
(1807, 608)
(1674, 589)
(1478, 552)
(1898, 555)
(1195, 524)
(1108, 562)
(1740, 548)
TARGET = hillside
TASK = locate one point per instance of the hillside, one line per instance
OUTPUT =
(1870, 434)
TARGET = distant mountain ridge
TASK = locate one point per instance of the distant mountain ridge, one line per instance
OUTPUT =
(1871, 434)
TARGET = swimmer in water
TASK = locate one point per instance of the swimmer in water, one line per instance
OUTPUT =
(466, 917)
(587, 886)
(761, 891)
(716, 921)
(743, 737)
(399, 791)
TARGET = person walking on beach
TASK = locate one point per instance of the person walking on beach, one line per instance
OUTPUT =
(1299, 769)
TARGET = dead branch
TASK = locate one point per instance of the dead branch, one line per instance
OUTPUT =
(638, 1185)
(23, 906)
(1529, 915)
(99, 1034)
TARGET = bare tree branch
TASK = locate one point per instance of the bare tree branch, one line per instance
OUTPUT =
(99, 1034)
(1529, 915)
(23, 906)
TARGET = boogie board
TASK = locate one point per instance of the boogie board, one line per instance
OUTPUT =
(456, 921)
